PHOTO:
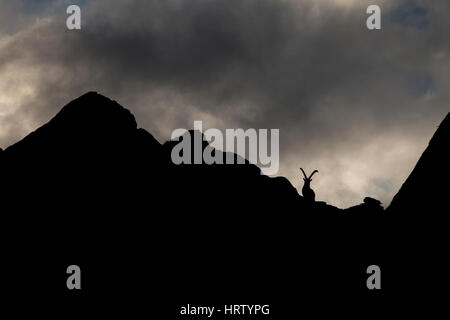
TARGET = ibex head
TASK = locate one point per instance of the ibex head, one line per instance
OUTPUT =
(306, 178)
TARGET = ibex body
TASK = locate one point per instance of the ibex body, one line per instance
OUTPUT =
(307, 192)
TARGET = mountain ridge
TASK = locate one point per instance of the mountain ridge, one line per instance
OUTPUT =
(95, 115)
(115, 126)
(107, 197)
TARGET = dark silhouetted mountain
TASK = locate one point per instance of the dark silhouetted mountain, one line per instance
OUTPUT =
(426, 189)
(419, 222)
(91, 188)
(93, 140)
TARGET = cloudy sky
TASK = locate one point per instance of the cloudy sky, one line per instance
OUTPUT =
(358, 105)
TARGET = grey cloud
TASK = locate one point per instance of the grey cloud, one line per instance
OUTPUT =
(338, 92)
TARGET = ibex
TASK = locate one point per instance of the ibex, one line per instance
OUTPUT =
(307, 192)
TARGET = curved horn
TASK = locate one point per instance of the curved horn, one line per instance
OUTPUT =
(315, 171)
(304, 173)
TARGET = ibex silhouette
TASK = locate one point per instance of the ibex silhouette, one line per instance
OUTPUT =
(307, 192)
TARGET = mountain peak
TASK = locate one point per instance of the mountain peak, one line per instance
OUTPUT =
(95, 109)
(85, 121)
(425, 190)
(442, 133)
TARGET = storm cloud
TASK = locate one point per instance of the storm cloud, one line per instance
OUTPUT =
(358, 105)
